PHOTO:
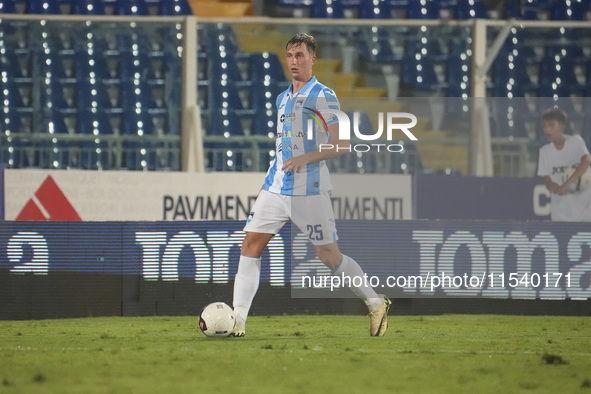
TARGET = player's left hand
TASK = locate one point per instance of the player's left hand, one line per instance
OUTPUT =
(294, 164)
(562, 190)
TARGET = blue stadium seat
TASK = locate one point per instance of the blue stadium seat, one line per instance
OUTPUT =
(226, 123)
(175, 7)
(558, 76)
(471, 9)
(7, 7)
(266, 155)
(458, 71)
(45, 7)
(264, 95)
(221, 38)
(92, 121)
(137, 119)
(419, 71)
(375, 45)
(447, 4)
(139, 156)
(132, 7)
(91, 63)
(407, 162)
(11, 152)
(328, 9)
(266, 66)
(375, 9)
(11, 121)
(511, 78)
(295, 3)
(88, 7)
(95, 154)
(223, 66)
(53, 152)
(10, 95)
(422, 9)
(569, 10)
(223, 94)
(525, 9)
(509, 119)
(228, 156)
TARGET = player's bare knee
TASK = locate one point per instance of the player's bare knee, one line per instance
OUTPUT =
(254, 244)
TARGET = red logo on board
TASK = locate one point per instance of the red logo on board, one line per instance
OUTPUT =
(49, 203)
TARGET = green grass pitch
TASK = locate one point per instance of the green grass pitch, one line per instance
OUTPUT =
(298, 354)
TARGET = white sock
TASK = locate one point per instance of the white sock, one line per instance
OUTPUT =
(350, 268)
(246, 284)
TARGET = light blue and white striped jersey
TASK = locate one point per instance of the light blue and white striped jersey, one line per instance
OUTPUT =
(293, 112)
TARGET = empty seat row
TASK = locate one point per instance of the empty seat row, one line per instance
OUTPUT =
(97, 7)
(432, 9)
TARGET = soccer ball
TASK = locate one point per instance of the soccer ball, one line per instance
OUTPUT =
(580, 184)
(217, 320)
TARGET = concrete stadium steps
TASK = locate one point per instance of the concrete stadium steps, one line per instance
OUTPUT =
(259, 37)
(441, 155)
(231, 9)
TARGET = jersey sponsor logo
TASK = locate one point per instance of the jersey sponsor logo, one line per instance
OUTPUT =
(288, 134)
(289, 116)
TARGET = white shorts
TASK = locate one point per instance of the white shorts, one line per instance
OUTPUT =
(313, 215)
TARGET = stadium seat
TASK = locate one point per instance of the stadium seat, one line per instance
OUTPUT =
(266, 66)
(569, 10)
(470, 9)
(53, 152)
(221, 38)
(223, 94)
(175, 8)
(510, 78)
(407, 162)
(419, 71)
(94, 153)
(11, 152)
(375, 9)
(509, 119)
(45, 7)
(91, 62)
(11, 121)
(225, 123)
(226, 155)
(7, 7)
(422, 9)
(88, 7)
(458, 71)
(328, 9)
(266, 155)
(132, 7)
(264, 95)
(295, 3)
(223, 66)
(10, 95)
(558, 76)
(375, 45)
(139, 156)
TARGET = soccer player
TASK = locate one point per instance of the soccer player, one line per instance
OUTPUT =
(297, 187)
(560, 154)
